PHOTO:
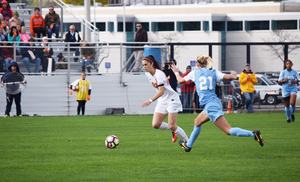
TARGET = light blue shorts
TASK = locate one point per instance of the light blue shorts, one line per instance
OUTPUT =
(288, 92)
(213, 109)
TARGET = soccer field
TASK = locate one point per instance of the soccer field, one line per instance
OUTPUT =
(71, 148)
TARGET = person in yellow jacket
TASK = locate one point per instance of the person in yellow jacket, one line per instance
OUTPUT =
(247, 79)
(84, 89)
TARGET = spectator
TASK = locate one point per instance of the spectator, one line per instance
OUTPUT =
(5, 28)
(19, 28)
(195, 101)
(37, 24)
(31, 55)
(13, 23)
(2, 37)
(24, 36)
(87, 56)
(61, 58)
(14, 36)
(6, 11)
(46, 54)
(52, 22)
(247, 79)
(170, 74)
(7, 54)
(187, 90)
(16, 17)
(140, 36)
(1, 17)
(73, 36)
(13, 67)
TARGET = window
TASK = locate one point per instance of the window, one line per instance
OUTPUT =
(189, 26)
(218, 26)
(257, 25)
(66, 26)
(110, 26)
(129, 26)
(234, 26)
(284, 25)
(163, 26)
(101, 26)
(206, 25)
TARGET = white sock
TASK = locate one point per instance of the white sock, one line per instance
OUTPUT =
(182, 134)
(164, 126)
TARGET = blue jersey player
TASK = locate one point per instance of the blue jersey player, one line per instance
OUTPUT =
(289, 78)
(205, 80)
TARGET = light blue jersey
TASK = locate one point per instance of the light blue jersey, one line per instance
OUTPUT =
(287, 87)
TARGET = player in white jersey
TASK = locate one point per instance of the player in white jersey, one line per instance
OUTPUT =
(289, 79)
(205, 80)
(168, 102)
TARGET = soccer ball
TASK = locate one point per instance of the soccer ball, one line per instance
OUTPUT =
(111, 141)
(75, 88)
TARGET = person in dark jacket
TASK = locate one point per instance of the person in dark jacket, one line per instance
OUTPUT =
(140, 36)
(170, 74)
(47, 53)
(52, 23)
(13, 67)
(73, 36)
(31, 55)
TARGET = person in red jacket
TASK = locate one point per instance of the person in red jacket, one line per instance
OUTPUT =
(37, 24)
(187, 90)
(6, 11)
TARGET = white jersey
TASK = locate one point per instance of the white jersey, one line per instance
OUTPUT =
(160, 79)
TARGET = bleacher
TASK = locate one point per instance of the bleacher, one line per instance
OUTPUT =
(57, 44)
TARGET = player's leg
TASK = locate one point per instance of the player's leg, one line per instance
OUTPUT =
(78, 108)
(287, 108)
(83, 107)
(9, 100)
(172, 122)
(18, 103)
(157, 121)
(293, 98)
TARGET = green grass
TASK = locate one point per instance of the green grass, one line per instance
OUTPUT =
(72, 149)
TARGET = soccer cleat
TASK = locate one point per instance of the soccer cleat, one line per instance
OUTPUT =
(293, 117)
(257, 137)
(6, 116)
(20, 116)
(183, 145)
(83, 115)
(174, 136)
(288, 121)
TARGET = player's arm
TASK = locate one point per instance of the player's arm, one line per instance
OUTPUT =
(155, 97)
(281, 80)
(231, 76)
(176, 72)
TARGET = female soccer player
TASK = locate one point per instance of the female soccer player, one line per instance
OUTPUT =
(168, 100)
(205, 80)
(289, 79)
(83, 93)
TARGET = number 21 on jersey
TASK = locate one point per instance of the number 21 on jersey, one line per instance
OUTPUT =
(203, 83)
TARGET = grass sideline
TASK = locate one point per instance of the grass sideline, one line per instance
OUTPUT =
(71, 148)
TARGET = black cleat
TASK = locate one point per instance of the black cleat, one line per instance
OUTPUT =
(257, 137)
(288, 121)
(183, 145)
(293, 117)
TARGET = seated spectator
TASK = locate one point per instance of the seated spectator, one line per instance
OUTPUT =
(30, 54)
(19, 28)
(7, 54)
(13, 23)
(2, 37)
(24, 36)
(61, 58)
(46, 54)
(73, 36)
(16, 17)
(14, 36)
(1, 17)
(5, 28)
(37, 24)
(52, 22)
(6, 11)
(87, 56)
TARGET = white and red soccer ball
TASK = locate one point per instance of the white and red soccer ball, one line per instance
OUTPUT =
(75, 88)
(111, 141)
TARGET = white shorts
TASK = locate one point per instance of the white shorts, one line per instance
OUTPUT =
(173, 106)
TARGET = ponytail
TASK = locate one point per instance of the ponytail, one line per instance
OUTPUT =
(151, 59)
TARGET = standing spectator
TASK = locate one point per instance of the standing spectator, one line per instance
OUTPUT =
(37, 24)
(52, 22)
(14, 36)
(170, 75)
(24, 36)
(87, 56)
(5, 28)
(31, 55)
(6, 11)
(83, 92)
(289, 79)
(73, 36)
(46, 54)
(247, 79)
(16, 17)
(7, 54)
(140, 36)
(187, 90)
(13, 67)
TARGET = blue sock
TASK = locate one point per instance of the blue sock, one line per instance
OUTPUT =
(240, 132)
(287, 112)
(293, 108)
(195, 133)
